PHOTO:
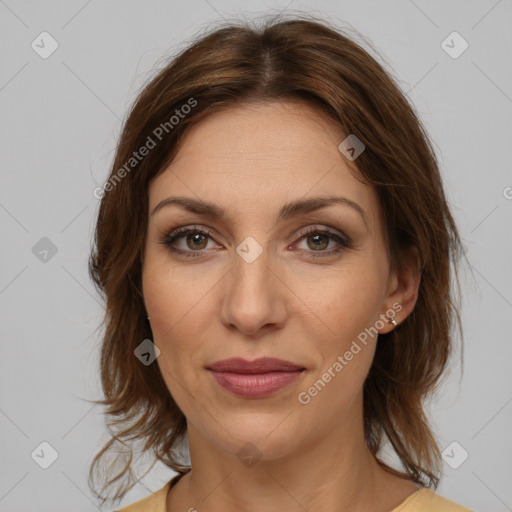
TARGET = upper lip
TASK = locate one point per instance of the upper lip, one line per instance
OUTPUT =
(261, 365)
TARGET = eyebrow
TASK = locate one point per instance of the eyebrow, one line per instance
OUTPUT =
(287, 211)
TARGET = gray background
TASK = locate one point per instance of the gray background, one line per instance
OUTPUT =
(60, 120)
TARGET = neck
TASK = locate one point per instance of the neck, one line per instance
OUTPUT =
(333, 472)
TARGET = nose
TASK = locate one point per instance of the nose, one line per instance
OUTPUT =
(254, 298)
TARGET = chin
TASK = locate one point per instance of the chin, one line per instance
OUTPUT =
(257, 436)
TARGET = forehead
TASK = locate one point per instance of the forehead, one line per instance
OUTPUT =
(262, 155)
(277, 132)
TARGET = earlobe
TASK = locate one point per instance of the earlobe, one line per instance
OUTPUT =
(390, 316)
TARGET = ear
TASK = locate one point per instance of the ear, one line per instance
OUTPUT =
(402, 290)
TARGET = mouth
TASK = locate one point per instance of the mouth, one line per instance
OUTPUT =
(255, 379)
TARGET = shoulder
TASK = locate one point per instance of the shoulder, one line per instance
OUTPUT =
(426, 500)
(153, 503)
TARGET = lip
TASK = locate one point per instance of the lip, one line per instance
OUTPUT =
(260, 365)
(255, 379)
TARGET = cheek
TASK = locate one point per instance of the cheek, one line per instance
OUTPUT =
(345, 356)
(342, 302)
(175, 298)
(346, 308)
(177, 301)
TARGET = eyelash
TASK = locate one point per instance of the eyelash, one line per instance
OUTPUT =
(169, 239)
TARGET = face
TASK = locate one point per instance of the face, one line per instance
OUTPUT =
(306, 285)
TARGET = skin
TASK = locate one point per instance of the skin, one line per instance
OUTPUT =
(250, 160)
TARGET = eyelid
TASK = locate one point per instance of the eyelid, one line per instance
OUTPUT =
(322, 229)
(168, 237)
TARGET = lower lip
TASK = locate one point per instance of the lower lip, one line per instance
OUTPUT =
(256, 385)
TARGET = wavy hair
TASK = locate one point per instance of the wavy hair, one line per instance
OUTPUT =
(304, 59)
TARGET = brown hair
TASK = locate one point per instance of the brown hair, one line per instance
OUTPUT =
(298, 59)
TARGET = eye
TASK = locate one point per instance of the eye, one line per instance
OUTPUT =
(195, 240)
(318, 239)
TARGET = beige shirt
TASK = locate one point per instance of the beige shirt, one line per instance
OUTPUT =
(423, 500)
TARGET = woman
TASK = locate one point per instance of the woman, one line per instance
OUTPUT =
(274, 247)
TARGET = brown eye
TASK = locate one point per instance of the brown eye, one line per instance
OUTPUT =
(196, 240)
(318, 241)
